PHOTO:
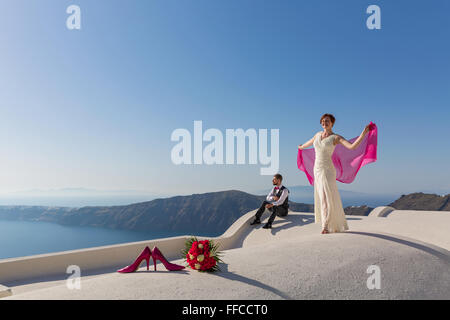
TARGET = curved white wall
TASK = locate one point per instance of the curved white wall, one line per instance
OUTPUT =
(119, 255)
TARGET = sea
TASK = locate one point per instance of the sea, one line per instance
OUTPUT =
(25, 238)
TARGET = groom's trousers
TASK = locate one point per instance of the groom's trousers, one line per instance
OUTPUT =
(276, 211)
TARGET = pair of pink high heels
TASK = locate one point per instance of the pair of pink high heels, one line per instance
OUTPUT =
(147, 254)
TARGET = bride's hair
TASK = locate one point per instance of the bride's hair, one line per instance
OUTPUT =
(332, 118)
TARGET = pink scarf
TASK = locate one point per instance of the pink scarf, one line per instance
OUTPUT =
(347, 162)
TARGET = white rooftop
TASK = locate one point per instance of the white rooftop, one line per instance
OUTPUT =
(292, 261)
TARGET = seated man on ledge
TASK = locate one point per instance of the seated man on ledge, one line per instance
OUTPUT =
(277, 202)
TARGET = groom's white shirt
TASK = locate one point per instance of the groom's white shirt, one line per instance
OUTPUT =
(273, 193)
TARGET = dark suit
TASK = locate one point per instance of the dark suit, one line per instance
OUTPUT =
(277, 210)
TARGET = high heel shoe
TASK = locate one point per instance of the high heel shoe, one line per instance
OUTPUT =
(157, 255)
(145, 254)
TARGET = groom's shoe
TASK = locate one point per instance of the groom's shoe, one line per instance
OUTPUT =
(268, 226)
(256, 221)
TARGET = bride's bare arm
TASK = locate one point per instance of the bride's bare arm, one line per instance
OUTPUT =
(356, 143)
(308, 144)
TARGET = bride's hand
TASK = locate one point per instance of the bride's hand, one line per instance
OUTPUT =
(366, 130)
(300, 147)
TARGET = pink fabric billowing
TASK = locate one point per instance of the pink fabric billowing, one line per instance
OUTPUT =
(347, 162)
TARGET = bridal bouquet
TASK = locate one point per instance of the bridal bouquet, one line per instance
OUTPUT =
(202, 255)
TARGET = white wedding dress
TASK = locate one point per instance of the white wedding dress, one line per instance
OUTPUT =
(328, 208)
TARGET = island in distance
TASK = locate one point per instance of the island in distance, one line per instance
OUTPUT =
(213, 211)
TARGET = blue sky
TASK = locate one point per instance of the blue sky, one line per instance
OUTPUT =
(95, 108)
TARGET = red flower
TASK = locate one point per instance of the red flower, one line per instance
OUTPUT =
(199, 255)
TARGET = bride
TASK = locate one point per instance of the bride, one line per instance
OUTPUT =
(328, 208)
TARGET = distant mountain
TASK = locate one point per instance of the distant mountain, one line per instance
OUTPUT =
(413, 201)
(75, 190)
(76, 197)
(305, 194)
(213, 212)
(357, 210)
(422, 201)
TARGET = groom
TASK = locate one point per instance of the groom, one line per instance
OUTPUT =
(277, 202)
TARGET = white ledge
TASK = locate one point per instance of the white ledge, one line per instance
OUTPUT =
(382, 211)
(118, 255)
(291, 261)
(112, 257)
(5, 291)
